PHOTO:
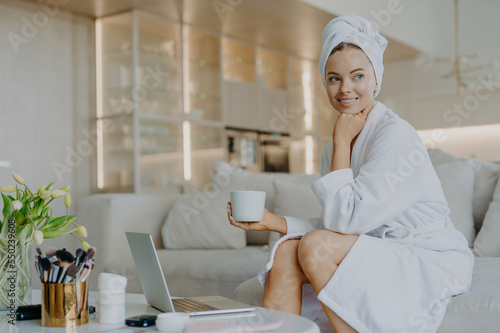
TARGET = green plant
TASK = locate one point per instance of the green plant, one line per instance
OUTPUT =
(28, 218)
(33, 215)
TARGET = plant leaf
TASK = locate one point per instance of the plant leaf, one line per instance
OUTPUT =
(56, 223)
(20, 218)
(38, 205)
(7, 206)
(69, 221)
(57, 233)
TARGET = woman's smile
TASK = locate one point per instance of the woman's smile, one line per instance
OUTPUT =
(346, 102)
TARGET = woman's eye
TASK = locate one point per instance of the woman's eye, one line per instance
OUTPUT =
(334, 79)
(359, 76)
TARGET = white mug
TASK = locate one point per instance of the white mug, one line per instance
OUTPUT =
(248, 206)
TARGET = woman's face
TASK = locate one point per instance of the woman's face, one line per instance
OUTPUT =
(350, 81)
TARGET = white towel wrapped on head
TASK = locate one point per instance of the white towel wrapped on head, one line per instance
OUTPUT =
(355, 30)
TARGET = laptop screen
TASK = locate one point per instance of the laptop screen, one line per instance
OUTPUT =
(149, 270)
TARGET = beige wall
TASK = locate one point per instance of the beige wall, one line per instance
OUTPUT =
(413, 88)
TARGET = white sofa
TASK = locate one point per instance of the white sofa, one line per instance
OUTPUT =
(225, 261)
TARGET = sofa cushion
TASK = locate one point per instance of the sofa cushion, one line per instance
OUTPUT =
(200, 222)
(293, 200)
(487, 242)
(485, 178)
(457, 179)
(478, 310)
(214, 272)
(249, 292)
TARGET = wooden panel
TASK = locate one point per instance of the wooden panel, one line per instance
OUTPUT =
(239, 104)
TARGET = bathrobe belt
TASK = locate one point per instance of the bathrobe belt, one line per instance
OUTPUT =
(396, 232)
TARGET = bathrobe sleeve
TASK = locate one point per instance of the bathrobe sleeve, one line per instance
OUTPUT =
(297, 225)
(390, 181)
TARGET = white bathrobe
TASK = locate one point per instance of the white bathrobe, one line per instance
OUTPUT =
(409, 259)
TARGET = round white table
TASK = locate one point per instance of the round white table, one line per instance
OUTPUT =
(136, 305)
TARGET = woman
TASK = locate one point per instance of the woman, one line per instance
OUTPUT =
(384, 256)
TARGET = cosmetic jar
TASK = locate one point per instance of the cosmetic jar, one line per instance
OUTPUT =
(111, 289)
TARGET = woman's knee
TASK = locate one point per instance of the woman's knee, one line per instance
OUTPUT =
(286, 262)
(286, 254)
(317, 247)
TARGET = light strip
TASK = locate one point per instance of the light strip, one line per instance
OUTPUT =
(99, 105)
(462, 130)
(309, 154)
(187, 106)
(186, 129)
(186, 132)
(306, 82)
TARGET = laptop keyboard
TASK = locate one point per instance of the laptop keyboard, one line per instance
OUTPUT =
(190, 305)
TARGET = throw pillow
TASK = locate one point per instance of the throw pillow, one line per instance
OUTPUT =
(485, 178)
(457, 180)
(295, 200)
(487, 243)
(200, 222)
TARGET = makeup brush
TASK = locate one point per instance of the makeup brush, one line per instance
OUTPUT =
(86, 265)
(54, 271)
(66, 259)
(70, 273)
(37, 262)
(51, 254)
(91, 252)
(82, 257)
(82, 265)
(83, 269)
(78, 293)
(78, 256)
(85, 274)
(37, 266)
(46, 268)
(85, 297)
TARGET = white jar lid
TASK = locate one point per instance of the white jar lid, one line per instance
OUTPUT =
(111, 281)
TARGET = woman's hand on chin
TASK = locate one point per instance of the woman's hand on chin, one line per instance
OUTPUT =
(269, 221)
(348, 125)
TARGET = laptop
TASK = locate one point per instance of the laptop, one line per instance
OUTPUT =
(154, 284)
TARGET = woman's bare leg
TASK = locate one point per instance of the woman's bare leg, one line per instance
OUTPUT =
(320, 253)
(283, 289)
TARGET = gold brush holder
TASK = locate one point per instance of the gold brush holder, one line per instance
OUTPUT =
(60, 304)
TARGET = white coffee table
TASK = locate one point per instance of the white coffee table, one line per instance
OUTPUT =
(136, 305)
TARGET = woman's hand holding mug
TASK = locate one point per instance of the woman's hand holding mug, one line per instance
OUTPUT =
(269, 221)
